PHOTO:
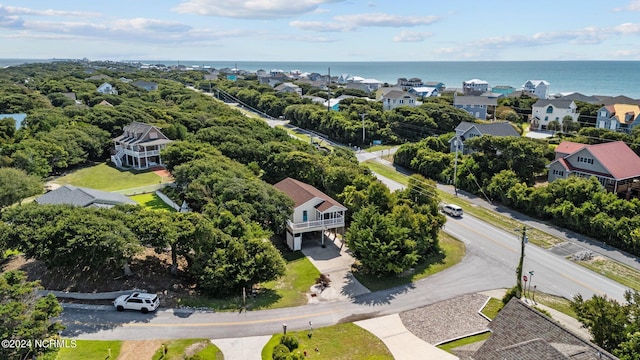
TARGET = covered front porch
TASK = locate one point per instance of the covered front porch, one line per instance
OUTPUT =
(328, 222)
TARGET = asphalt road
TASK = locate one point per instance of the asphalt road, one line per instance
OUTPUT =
(490, 263)
(491, 260)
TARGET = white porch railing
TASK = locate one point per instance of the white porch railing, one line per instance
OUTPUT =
(324, 224)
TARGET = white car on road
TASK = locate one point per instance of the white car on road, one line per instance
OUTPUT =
(137, 301)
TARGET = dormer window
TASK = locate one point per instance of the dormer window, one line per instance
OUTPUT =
(549, 109)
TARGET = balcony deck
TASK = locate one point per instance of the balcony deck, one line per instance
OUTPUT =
(316, 225)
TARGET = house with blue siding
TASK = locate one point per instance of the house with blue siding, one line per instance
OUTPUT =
(618, 117)
(466, 130)
(477, 106)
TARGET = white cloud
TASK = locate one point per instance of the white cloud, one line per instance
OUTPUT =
(251, 9)
(343, 23)
(627, 28)
(411, 36)
(319, 26)
(13, 10)
(386, 20)
(633, 6)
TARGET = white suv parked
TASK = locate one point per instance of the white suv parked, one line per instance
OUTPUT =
(137, 301)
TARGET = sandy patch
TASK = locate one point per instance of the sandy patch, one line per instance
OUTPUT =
(139, 349)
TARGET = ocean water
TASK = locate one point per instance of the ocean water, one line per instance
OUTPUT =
(588, 77)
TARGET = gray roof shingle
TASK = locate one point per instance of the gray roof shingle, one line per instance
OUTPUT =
(83, 197)
(521, 332)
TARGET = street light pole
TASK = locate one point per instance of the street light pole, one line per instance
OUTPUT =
(455, 168)
(362, 115)
(530, 281)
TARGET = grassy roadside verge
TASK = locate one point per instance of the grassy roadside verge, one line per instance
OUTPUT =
(343, 341)
(607, 267)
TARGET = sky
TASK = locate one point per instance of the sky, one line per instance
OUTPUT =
(321, 30)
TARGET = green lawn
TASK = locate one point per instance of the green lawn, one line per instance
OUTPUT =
(453, 251)
(342, 341)
(176, 350)
(555, 302)
(306, 138)
(151, 201)
(91, 350)
(107, 178)
(464, 341)
(288, 291)
(386, 171)
(491, 309)
(614, 270)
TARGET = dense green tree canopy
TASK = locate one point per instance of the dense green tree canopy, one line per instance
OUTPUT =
(26, 316)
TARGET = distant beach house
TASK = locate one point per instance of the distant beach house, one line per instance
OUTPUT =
(139, 146)
(539, 88)
(407, 84)
(289, 88)
(503, 89)
(467, 130)
(273, 79)
(618, 117)
(614, 164)
(395, 98)
(436, 84)
(83, 197)
(475, 87)
(425, 91)
(547, 110)
(107, 89)
(477, 106)
(313, 211)
(18, 118)
(147, 85)
(366, 85)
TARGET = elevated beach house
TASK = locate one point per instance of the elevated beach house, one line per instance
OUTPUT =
(313, 211)
(139, 146)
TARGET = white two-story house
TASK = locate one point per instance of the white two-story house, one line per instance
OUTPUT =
(546, 110)
(139, 146)
(537, 88)
(313, 211)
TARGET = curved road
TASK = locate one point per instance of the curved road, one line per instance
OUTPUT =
(490, 263)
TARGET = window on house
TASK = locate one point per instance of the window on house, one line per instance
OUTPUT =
(549, 109)
(603, 113)
(546, 118)
(401, 101)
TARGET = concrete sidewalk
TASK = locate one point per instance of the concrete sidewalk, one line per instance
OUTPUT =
(401, 343)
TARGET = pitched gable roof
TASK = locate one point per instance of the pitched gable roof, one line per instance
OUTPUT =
(521, 332)
(503, 128)
(617, 158)
(83, 197)
(301, 193)
(475, 100)
(569, 147)
(559, 103)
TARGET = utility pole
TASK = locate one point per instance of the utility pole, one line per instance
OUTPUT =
(523, 241)
(362, 115)
(455, 168)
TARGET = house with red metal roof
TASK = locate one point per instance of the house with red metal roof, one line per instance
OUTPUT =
(614, 164)
(313, 211)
